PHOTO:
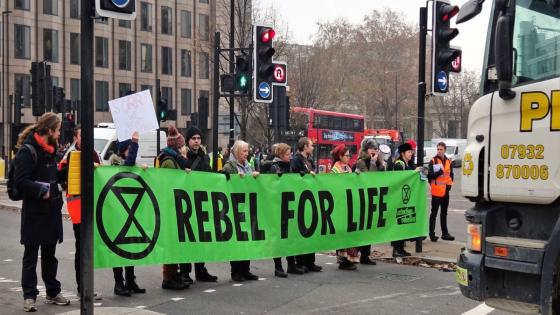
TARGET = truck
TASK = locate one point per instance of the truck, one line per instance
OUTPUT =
(511, 165)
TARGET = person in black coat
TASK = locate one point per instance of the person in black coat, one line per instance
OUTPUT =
(36, 177)
(302, 163)
(402, 164)
(197, 160)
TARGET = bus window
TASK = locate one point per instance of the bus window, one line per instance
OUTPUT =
(324, 151)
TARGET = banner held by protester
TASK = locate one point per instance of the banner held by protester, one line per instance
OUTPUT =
(158, 216)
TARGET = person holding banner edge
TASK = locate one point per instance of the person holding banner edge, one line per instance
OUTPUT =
(126, 156)
(302, 163)
(238, 164)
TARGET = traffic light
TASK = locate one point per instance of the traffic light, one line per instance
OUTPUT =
(48, 89)
(263, 67)
(37, 88)
(442, 53)
(162, 109)
(118, 9)
(242, 73)
(58, 99)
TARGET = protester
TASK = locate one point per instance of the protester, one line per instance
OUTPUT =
(302, 163)
(37, 177)
(440, 175)
(197, 160)
(238, 164)
(412, 163)
(369, 160)
(73, 202)
(340, 158)
(267, 163)
(402, 164)
(170, 157)
(280, 165)
(126, 156)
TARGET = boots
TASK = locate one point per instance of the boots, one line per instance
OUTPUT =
(345, 264)
(433, 237)
(447, 237)
(400, 252)
(175, 283)
(204, 276)
(121, 289)
(296, 269)
(133, 287)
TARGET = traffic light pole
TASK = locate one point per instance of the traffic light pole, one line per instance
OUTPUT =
(216, 102)
(158, 98)
(87, 106)
(231, 70)
(421, 94)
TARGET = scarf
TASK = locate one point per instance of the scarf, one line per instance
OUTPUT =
(45, 146)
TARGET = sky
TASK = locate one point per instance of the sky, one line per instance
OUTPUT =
(301, 17)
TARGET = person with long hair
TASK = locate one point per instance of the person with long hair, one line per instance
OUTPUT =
(37, 177)
(402, 164)
(348, 257)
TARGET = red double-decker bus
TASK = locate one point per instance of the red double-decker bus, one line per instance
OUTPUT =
(326, 129)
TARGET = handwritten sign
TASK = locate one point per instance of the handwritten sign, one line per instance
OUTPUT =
(133, 112)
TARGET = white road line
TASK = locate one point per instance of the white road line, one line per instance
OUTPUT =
(141, 307)
(8, 260)
(343, 305)
(329, 263)
(262, 279)
(482, 309)
(177, 299)
(237, 284)
(97, 304)
(209, 291)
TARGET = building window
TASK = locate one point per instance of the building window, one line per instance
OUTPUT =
(166, 60)
(204, 65)
(124, 88)
(101, 52)
(21, 4)
(75, 9)
(166, 21)
(55, 81)
(185, 63)
(50, 45)
(22, 88)
(167, 93)
(50, 7)
(22, 48)
(125, 53)
(101, 96)
(145, 16)
(204, 26)
(186, 24)
(75, 89)
(186, 101)
(203, 1)
(125, 23)
(146, 58)
(75, 48)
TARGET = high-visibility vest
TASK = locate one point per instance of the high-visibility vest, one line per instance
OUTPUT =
(74, 206)
(439, 185)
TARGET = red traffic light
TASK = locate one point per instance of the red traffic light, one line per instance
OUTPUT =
(267, 35)
(447, 12)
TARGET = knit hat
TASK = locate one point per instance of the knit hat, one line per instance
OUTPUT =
(192, 131)
(405, 147)
(175, 139)
(123, 145)
(369, 143)
(412, 144)
(338, 151)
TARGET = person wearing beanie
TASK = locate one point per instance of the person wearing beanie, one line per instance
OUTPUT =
(412, 162)
(126, 156)
(197, 160)
(340, 159)
(402, 164)
(170, 157)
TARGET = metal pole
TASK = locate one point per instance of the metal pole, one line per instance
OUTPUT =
(158, 98)
(421, 94)
(86, 233)
(216, 103)
(231, 70)
(396, 102)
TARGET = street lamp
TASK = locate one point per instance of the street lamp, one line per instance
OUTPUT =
(5, 80)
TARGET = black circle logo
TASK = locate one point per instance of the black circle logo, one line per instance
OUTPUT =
(122, 238)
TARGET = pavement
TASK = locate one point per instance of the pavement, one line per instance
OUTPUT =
(419, 285)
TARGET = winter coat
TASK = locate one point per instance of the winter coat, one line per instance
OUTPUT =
(301, 164)
(233, 167)
(279, 167)
(203, 164)
(41, 219)
(401, 165)
(130, 159)
(364, 163)
(171, 158)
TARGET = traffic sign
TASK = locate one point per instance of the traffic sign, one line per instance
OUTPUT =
(117, 9)
(279, 73)
(442, 80)
(264, 90)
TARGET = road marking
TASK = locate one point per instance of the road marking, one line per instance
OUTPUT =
(482, 309)
(7, 281)
(329, 263)
(177, 299)
(141, 306)
(237, 284)
(457, 210)
(8, 260)
(262, 279)
(97, 304)
(343, 305)
(209, 291)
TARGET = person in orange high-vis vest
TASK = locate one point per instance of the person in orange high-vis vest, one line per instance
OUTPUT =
(73, 203)
(440, 174)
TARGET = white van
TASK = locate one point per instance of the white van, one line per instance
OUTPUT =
(455, 149)
(105, 143)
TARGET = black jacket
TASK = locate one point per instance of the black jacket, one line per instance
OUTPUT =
(280, 167)
(301, 164)
(41, 219)
(203, 164)
(400, 165)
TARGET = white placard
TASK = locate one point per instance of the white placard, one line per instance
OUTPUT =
(132, 113)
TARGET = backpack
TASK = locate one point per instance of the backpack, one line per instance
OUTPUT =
(162, 157)
(13, 193)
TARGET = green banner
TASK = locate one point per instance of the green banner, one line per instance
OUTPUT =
(158, 216)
